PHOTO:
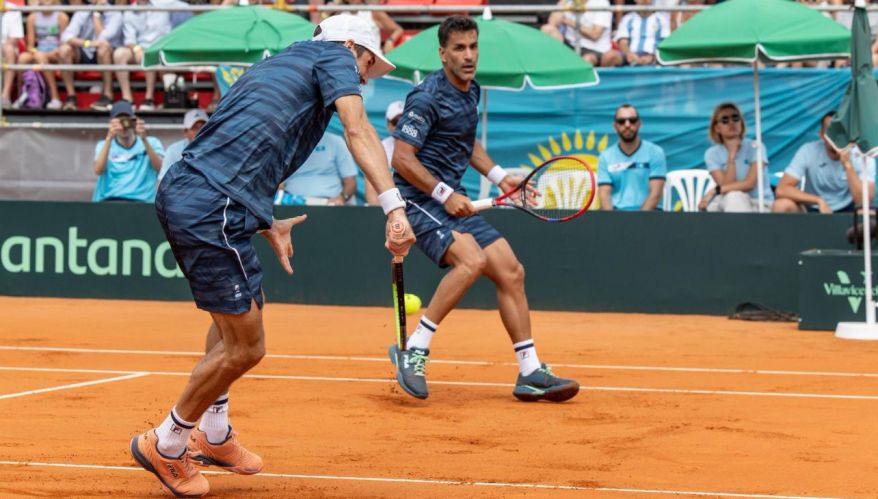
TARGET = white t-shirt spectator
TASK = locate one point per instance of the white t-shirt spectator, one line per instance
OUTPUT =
(13, 27)
(643, 33)
(590, 18)
(389, 143)
(666, 15)
(144, 28)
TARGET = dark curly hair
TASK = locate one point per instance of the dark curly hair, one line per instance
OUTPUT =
(455, 24)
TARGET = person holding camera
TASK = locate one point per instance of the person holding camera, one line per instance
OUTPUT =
(127, 162)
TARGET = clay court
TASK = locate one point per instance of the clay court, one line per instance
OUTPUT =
(671, 406)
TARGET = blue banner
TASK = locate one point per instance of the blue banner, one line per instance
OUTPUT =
(526, 127)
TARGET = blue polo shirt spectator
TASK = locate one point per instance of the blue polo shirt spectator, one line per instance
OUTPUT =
(328, 176)
(629, 176)
(193, 120)
(825, 176)
(717, 156)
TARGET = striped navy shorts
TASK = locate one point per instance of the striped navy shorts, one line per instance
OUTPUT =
(210, 236)
(433, 225)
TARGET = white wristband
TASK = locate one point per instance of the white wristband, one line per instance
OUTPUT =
(390, 200)
(497, 174)
(442, 192)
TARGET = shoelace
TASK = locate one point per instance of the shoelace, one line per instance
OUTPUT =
(547, 370)
(186, 463)
(419, 362)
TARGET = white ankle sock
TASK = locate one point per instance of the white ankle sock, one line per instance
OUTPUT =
(526, 353)
(423, 334)
(215, 421)
(173, 434)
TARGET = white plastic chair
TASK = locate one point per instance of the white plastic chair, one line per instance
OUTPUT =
(690, 186)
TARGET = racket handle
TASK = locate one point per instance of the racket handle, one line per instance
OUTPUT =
(397, 259)
(483, 204)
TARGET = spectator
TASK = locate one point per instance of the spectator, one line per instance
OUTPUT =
(127, 161)
(327, 177)
(90, 39)
(392, 116)
(732, 162)
(638, 37)
(631, 172)
(833, 183)
(594, 29)
(380, 22)
(43, 31)
(140, 30)
(193, 120)
(13, 35)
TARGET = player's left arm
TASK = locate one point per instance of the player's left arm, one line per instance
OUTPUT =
(482, 162)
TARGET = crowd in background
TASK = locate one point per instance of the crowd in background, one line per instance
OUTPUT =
(604, 38)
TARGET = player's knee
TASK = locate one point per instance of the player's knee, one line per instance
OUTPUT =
(516, 274)
(783, 205)
(241, 360)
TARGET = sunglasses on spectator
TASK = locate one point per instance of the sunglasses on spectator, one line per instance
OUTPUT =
(633, 120)
(725, 120)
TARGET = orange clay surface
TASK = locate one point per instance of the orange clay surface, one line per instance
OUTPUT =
(671, 406)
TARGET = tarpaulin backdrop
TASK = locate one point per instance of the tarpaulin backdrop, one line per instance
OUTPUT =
(675, 105)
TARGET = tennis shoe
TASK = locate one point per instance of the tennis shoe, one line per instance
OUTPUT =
(411, 365)
(542, 384)
(177, 475)
(229, 454)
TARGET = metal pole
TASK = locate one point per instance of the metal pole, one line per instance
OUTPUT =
(485, 119)
(867, 241)
(759, 161)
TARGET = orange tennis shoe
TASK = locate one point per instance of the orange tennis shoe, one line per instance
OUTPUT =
(230, 454)
(178, 476)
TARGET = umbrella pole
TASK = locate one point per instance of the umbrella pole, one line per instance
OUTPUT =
(867, 243)
(759, 160)
(485, 119)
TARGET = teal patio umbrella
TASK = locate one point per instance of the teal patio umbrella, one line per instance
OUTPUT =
(237, 35)
(856, 124)
(511, 57)
(749, 31)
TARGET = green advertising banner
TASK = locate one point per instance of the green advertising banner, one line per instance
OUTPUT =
(603, 261)
(831, 288)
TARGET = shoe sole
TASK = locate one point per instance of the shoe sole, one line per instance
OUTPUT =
(145, 464)
(399, 378)
(204, 461)
(561, 394)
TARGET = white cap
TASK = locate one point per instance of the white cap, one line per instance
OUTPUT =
(394, 109)
(192, 117)
(344, 27)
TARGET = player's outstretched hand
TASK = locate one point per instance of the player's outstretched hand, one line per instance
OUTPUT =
(459, 205)
(280, 238)
(399, 234)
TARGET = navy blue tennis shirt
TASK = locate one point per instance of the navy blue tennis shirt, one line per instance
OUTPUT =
(271, 120)
(440, 121)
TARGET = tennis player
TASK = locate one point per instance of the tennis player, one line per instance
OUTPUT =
(220, 194)
(435, 143)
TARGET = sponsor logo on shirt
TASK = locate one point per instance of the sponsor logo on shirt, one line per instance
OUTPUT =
(624, 165)
(410, 131)
(417, 117)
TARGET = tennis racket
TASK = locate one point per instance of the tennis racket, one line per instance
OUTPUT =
(558, 190)
(398, 286)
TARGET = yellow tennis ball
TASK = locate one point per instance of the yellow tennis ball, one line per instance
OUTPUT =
(412, 304)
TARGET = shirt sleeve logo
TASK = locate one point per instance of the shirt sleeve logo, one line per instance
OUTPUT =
(410, 131)
(417, 117)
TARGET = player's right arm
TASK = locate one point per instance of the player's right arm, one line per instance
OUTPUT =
(363, 142)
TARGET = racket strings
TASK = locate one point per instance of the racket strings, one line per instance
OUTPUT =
(566, 185)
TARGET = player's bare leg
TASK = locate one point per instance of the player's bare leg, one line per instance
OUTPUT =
(507, 273)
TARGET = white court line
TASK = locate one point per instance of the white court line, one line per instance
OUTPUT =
(676, 391)
(74, 385)
(457, 483)
(456, 362)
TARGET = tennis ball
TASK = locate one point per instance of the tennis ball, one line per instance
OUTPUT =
(412, 304)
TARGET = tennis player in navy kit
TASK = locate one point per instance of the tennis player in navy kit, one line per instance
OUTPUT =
(220, 194)
(435, 144)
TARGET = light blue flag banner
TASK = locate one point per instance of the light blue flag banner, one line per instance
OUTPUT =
(525, 128)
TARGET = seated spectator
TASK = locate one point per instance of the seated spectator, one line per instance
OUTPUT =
(833, 183)
(638, 37)
(594, 29)
(392, 116)
(90, 39)
(13, 36)
(140, 30)
(732, 162)
(380, 22)
(631, 172)
(43, 32)
(127, 161)
(193, 120)
(327, 177)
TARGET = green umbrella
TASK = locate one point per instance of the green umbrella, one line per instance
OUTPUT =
(237, 35)
(856, 124)
(511, 56)
(747, 31)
